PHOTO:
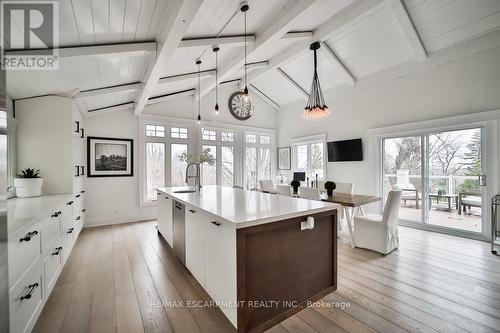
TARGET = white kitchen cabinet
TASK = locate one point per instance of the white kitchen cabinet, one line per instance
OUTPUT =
(195, 245)
(164, 206)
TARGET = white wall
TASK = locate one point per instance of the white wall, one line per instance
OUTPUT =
(468, 85)
(263, 115)
(115, 199)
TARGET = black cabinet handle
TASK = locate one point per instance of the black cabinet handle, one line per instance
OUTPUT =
(28, 236)
(192, 211)
(77, 196)
(70, 230)
(82, 191)
(215, 223)
(84, 210)
(78, 218)
(77, 171)
(32, 288)
(167, 198)
(56, 214)
(57, 251)
(69, 203)
(82, 170)
(82, 132)
(77, 126)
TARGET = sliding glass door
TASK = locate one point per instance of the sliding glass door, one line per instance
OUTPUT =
(441, 176)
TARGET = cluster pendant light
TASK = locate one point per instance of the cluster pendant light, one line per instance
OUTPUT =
(216, 49)
(316, 107)
(244, 8)
(198, 62)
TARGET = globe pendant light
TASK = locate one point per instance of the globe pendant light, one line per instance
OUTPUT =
(198, 62)
(316, 107)
(244, 8)
(215, 48)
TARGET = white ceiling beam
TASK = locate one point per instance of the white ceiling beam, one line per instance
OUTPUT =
(296, 35)
(330, 54)
(351, 15)
(223, 40)
(124, 88)
(178, 17)
(171, 96)
(293, 82)
(186, 76)
(264, 39)
(408, 28)
(108, 50)
(266, 99)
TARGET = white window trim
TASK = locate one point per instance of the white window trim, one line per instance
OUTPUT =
(308, 140)
(272, 146)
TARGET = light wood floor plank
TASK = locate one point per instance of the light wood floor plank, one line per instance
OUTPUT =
(319, 322)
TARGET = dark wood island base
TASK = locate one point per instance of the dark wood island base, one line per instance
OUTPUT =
(281, 269)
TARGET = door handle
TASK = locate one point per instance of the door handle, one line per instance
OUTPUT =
(77, 171)
(82, 133)
(77, 126)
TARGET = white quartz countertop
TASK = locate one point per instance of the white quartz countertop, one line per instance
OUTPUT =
(247, 208)
(21, 212)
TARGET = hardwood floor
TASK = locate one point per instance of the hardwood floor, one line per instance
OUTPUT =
(118, 277)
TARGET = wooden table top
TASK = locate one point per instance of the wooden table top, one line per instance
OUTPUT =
(350, 200)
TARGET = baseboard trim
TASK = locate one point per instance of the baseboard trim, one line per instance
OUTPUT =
(118, 220)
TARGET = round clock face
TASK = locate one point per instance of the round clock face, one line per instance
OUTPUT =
(239, 108)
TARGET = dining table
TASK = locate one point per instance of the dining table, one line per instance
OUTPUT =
(348, 202)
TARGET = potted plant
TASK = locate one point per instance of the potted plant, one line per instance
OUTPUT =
(330, 186)
(29, 183)
(295, 184)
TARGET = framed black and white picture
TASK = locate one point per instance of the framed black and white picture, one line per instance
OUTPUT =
(110, 157)
(284, 158)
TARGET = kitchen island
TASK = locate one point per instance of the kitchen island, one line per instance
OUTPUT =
(261, 257)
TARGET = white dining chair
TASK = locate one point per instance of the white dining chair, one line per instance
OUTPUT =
(379, 232)
(284, 189)
(267, 185)
(310, 193)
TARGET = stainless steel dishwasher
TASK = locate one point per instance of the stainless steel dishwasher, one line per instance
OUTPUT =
(179, 231)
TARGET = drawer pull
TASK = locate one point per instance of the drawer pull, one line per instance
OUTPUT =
(69, 203)
(32, 288)
(82, 191)
(167, 198)
(77, 196)
(57, 251)
(70, 230)
(56, 214)
(192, 211)
(84, 210)
(78, 218)
(28, 236)
(215, 223)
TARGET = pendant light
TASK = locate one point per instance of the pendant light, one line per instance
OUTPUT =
(316, 107)
(244, 8)
(198, 62)
(216, 49)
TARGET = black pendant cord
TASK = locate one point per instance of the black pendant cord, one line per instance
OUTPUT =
(246, 87)
(198, 62)
(216, 84)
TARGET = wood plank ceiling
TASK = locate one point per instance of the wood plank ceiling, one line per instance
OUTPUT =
(360, 38)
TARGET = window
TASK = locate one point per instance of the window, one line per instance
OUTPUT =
(179, 133)
(155, 168)
(178, 167)
(309, 157)
(227, 136)
(265, 139)
(251, 167)
(251, 138)
(209, 135)
(155, 130)
(227, 164)
(209, 172)
(265, 163)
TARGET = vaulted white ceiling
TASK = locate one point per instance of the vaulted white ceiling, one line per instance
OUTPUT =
(359, 39)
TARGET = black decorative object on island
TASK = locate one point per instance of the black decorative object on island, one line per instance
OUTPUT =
(295, 184)
(330, 186)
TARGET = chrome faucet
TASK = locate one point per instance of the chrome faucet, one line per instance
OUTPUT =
(197, 182)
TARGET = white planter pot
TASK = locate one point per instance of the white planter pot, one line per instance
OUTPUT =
(28, 187)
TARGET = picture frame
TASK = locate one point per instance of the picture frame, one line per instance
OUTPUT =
(110, 157)
(285, 158)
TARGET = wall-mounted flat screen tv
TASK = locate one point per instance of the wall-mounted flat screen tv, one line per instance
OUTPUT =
(345, 150)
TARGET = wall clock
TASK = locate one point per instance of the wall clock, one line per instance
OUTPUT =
(240, 109)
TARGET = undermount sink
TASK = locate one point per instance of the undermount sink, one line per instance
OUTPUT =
(185, 191)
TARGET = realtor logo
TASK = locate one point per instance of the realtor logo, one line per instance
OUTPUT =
(30, 35)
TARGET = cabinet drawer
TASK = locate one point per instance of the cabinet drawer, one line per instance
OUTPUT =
(24, 248)
(50, 227)
(25, 299)
(52, 264)
(67, 242)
